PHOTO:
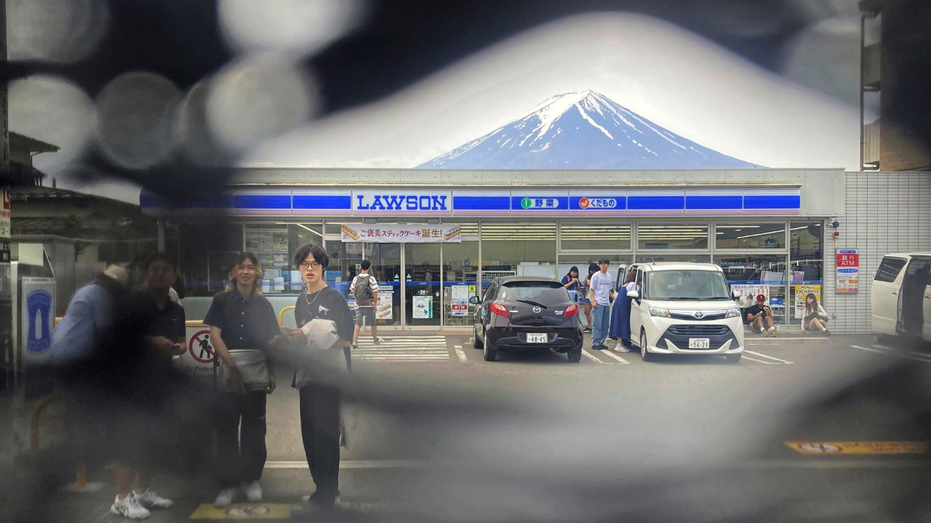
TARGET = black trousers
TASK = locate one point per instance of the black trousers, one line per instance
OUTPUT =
(320, 431)
(240, 426)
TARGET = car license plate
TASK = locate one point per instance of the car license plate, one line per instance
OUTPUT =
(537, 338)
(699, 343)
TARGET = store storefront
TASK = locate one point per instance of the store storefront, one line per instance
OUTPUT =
(432, 247)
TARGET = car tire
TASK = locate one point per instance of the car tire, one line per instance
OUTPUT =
(733, 358)
(575, 355)
(488, 354)
(476, 343)
(644, 353)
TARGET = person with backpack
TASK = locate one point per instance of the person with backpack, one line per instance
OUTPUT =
(365, 288)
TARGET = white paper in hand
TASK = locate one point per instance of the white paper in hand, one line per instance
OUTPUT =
(323, 364)
(321, 334)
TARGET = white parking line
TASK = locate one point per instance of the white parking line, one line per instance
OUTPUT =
(615, 356)
(590, 356)
(918, 354)
(892, 353)
(352, 464)
(769, 357)
(461, 355)
(761, 361)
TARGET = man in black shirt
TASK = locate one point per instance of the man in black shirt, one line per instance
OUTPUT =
(760, 317)
(320, 410)
(241, 319)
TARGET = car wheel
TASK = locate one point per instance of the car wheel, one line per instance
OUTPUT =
(476, 343)
(733, 358)
(489, 354)
(575, 355)
(644, 354)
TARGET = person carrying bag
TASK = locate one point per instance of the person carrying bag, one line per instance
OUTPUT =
(242, 327)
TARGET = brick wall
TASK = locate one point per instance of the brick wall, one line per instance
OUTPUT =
(886, 212)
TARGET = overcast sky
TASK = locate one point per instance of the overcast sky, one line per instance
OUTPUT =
(675, 78)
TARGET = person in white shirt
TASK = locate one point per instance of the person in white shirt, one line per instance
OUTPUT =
(601, 294)
(365, 288)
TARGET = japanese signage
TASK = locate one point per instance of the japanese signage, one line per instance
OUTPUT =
(459, 301)
(598, 204)
(377, 233)
(848, 271)
(396, 202)
(801, 293)
(748, 294)
(423, 307)
(858, 447)
(384, 309)
(5, 227)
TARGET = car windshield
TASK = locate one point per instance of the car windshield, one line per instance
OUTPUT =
(686, 285)
(539, 293)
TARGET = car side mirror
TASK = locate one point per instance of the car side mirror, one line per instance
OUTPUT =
(474, 300)
(633, 294)
(735, 293)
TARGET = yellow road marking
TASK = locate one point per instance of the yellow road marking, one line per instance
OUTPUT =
(858, 447)
(243, 511)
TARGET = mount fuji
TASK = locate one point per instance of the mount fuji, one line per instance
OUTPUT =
(583, 130)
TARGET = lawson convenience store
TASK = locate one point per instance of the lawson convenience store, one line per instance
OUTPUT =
(435, 238)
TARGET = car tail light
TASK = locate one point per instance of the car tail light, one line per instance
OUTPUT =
(499, 309)
(571, 311)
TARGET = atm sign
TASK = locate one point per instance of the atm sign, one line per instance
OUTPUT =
(598, 203)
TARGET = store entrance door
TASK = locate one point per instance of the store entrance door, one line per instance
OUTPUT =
(387, 271)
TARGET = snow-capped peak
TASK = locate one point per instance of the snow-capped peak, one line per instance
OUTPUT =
(566, 129)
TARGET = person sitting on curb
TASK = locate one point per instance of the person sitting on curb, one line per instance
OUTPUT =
(760, 317)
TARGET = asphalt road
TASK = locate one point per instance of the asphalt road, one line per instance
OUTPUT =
(437, 433)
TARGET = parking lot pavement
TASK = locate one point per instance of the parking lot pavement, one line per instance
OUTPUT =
(760, 419)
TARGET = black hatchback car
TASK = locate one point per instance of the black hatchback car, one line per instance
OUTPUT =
(519, 313)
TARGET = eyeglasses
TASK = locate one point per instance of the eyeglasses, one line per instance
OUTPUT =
(309, 265)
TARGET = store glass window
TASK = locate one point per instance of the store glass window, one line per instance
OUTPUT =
(755, 274)
(593, 236)
(208, 250)
(460, 281)
(671, 236)
(522, 249)
(806, 255)
(750, 236)
(275, 245)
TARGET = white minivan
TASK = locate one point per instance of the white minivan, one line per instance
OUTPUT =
(901, 296)
(684, 308)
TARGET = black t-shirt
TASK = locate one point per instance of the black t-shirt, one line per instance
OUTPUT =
(244, 323)
(756, 309)
(327, 304)
(167, 322)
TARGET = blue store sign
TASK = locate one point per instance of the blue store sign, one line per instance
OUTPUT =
(38, 315)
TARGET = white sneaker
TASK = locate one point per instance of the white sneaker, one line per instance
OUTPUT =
(150, 499)
(253, 491)
(225, 497)
(129, 507)
(772, 333)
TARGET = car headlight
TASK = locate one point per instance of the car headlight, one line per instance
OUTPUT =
(733, 313)
(654, 311)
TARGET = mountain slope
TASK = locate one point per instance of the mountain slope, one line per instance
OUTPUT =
(583, 131)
